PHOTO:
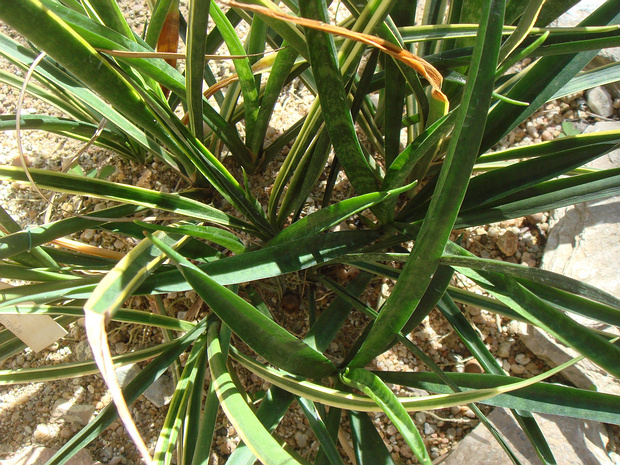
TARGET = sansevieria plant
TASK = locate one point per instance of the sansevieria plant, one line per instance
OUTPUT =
(430, 103)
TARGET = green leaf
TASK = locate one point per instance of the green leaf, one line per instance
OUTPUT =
(547, 398)
(369, 447)
(268, 262)
(247, 426)
(320, 431)
(33, 255)
(448, 195)
(124, 315)
(601, 76)
(261, 333)
(545, 196)
(242, 67)
(72, 184)
(333, 100)
(77, 369)
(373, 387)
(326, 218)
(196, 45)
(216, 235)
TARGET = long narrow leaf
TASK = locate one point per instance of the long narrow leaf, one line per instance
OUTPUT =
(448, 196)
(373, 387)
(249, 428)
(261, 333)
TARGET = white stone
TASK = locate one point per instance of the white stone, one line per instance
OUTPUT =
(572, 441)
(126, 373)
(161, 391)
(600, 102)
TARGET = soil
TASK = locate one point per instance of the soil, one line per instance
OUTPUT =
(29, 413)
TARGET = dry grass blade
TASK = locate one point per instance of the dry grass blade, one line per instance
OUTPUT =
(98, 339)
(18, 136)
(18, 116)
(433, 76)
(260, 65)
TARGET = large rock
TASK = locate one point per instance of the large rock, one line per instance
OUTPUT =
(572, 441)
(581, 11)
(583, 244)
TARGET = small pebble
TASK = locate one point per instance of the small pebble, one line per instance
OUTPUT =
(420, 418)
(429, 429)
(406, 451)
(532, 368)
(547, 136)
(473, 367)
(121, 348)
(508, 243)
(531, 130)
(517, 369)
(522, 359)
(88, 235)
(469, 413)
(42, 433)
(504, 349)
(493, 232)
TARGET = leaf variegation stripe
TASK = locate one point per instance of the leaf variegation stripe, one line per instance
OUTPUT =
(249, 428)
(373, 387)
(345, 400)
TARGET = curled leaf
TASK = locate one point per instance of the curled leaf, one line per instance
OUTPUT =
(423, 67)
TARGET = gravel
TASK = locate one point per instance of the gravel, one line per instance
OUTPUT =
(30, 414)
